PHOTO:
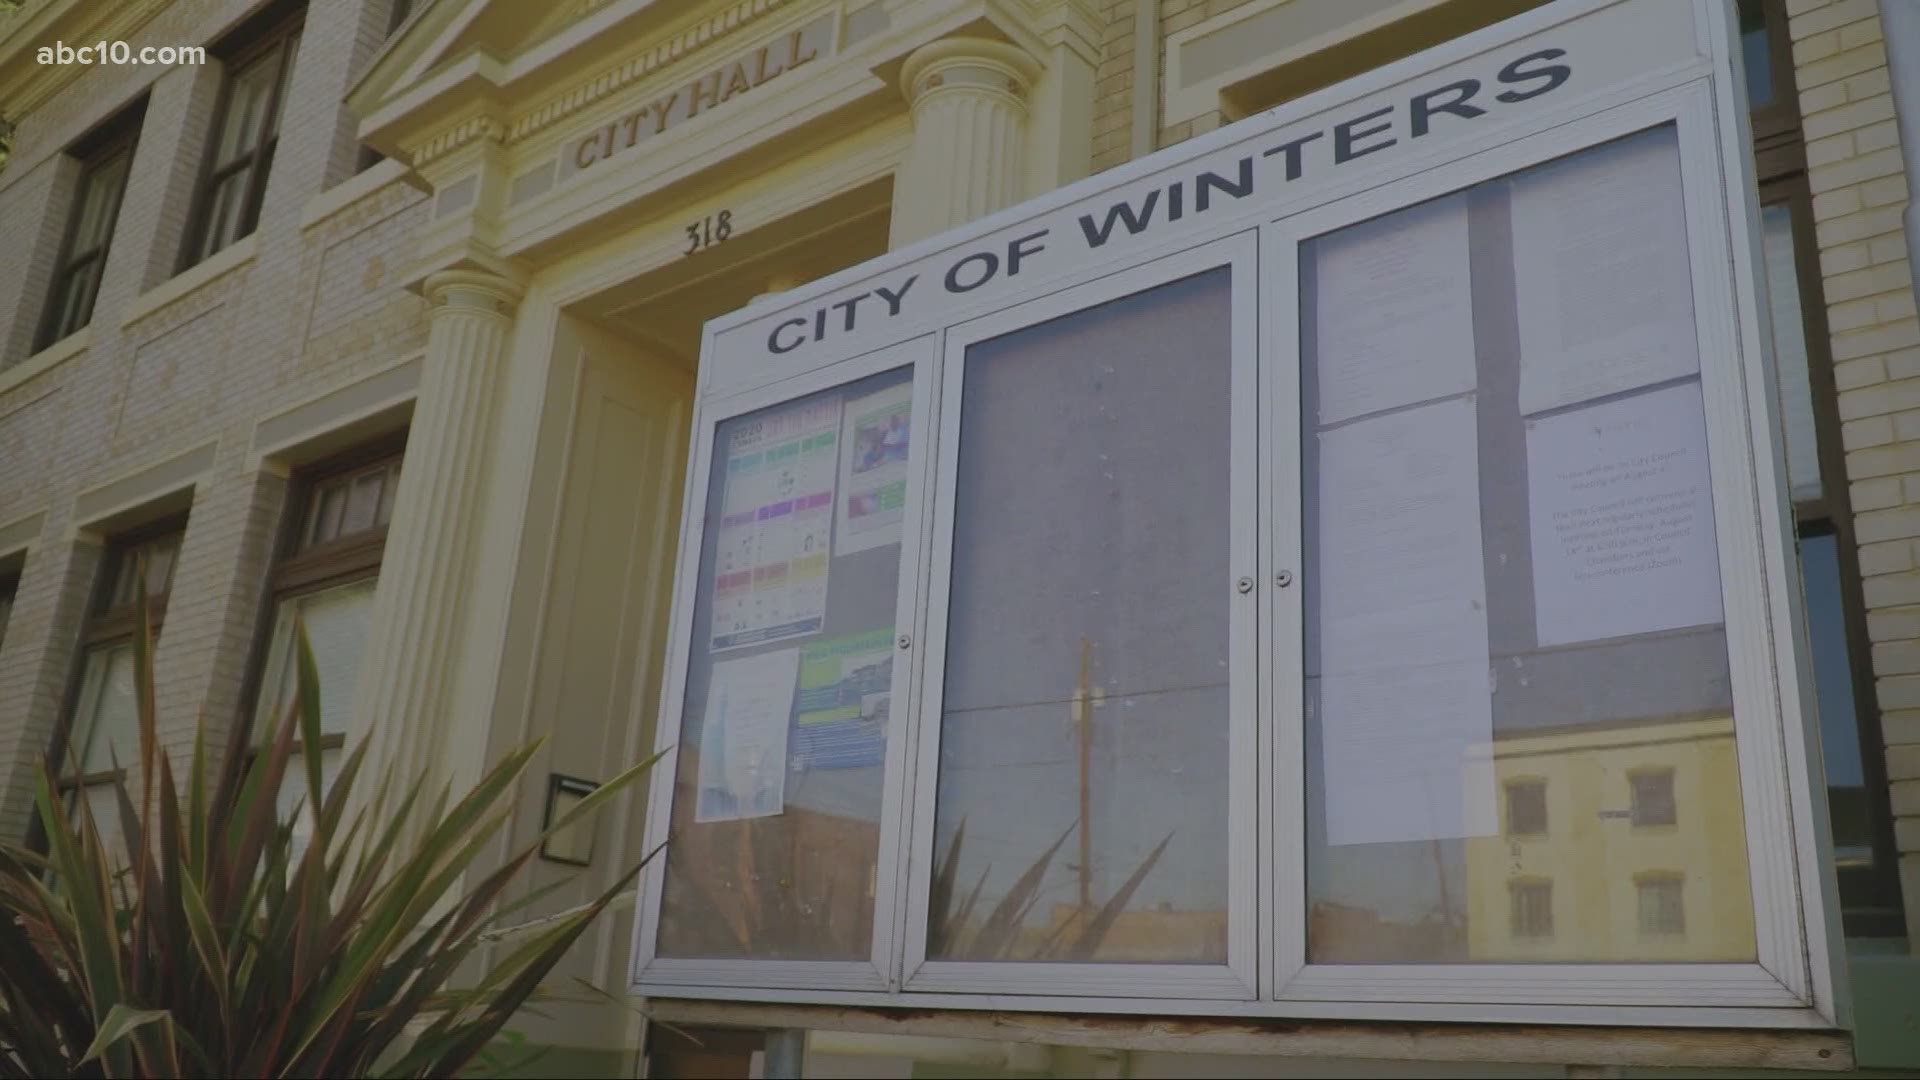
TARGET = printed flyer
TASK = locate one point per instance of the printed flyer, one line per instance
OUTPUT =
(846, 686)
(776, 521)
(873, 470)
(743, 741)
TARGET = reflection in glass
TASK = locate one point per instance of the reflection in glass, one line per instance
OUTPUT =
(1790, 351)
(1756, 54)
(1833, 683)
(336, 622)
(1081, 813)
(1519, 729)
(786, 718)
(106, 739)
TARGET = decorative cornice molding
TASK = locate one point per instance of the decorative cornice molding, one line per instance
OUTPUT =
(582, 94)
(35, 83)
(674, 47)
(477, 127)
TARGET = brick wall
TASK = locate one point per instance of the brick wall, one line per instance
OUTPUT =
(313, 309)
(1859, 192)
(1113, 86)
(1113, 92)
(34, 225)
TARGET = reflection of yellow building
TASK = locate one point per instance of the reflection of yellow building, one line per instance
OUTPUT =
(1615, 844)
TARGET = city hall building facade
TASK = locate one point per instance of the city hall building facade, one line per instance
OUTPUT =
(1162, 538)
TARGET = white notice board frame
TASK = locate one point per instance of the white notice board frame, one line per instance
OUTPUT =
(879, 971)
(1763, 711)
(1634, 64)
(1235, 980)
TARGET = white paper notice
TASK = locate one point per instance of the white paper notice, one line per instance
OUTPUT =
(872, 501)
(1394, 311)
(776, 514)
(1405, 753)
(1621, 512)
(1404, 699)
(1600, 273)
(743, 741)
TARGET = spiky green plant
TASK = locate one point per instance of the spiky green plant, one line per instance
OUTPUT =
(999, 936)
(210, 946)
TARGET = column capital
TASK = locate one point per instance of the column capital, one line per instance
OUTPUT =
(978, 65)
(473, 290)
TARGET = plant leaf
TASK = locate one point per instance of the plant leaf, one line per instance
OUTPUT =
(1090, 938)
(121, 1022)
(940, 892)
(998, 933)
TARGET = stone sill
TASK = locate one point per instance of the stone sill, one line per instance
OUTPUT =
(232, 257)
(350, 191)
(47, 359)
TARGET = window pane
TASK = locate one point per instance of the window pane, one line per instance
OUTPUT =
(78, 288)
(293, 800)
(329, 512)
(103, 800)
(162, 553)
(388, 490)
(1840, 719)
(336, 621)
(1653, 801)
(1083, 744)
(1532, 909)
(6, 609)
(1662, 906)
(227, 212)
(1526, 808)
(1512, 576)
(363, 504)
(247, 103)
(107, 724)
(783, 736)
(1756, 53)
(159, 554)
(286, 53)
(99, 201)
(1790, 352)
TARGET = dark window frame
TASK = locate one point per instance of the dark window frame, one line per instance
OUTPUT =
(9, 599)
(301, 569)
(1514, 824)
(121, 135)
(1779, 120)
(1660, 879)
(107, 626)
(1641, 811)
(1519, 925)
(276, 42)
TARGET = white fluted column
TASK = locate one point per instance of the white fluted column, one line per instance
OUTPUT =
(412, 653)
(969, 102)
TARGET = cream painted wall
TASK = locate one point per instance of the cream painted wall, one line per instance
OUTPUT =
(588, 611)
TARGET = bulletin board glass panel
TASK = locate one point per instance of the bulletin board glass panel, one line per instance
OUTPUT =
(1519, 723)
(779, 792)
(1081, 805)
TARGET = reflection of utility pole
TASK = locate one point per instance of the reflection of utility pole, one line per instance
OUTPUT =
(1085, 697)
